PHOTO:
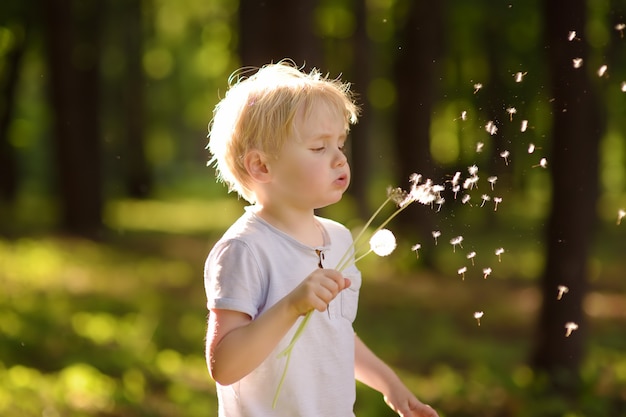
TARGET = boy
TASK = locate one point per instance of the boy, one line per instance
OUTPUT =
(277, 139)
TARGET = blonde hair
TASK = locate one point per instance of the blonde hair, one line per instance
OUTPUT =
(258, 113)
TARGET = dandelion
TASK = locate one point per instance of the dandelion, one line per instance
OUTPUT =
(480, 145)
(415, 248)
(620, 215)
(570, 326)
(478, 315)
(485, 198)
(499, 253)
(456, 241)
(562, 290)
(466, 199)
(486, 272)
(519, 76)
(577, 62)
(492, 180)
(620, 28)
(602, 70)
(491, 128)
(511, 111)
(477, 87)
(531, 147)
(462, 271)
(471, 257)
(496, 200)
(571, 35)
(524, 126)
(436, 234)
(382, 243)
(505, 156)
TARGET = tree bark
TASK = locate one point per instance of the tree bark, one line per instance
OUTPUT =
(577, 128)
(73, 35)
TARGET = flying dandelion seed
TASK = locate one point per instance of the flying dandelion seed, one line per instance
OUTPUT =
(531, 148)
(464, 115)
(620, 215)
(456, 190)
(466, 198)
(471, 257)
(456, 241)
(485, 198)
(478, 315)
(436, 234)
(439, 203)
(480, 145)
(499, 253)
(496, 200)
(602, 70)
(524, 126)
(462, 272)
(511, 111)
(577, 62)
(570, 326)
(571, 35)
(623, 87)
(519, 76)
(455, 179)
(477, 87)
(486, 272)
(491, 128)
(562, 290)
(415, 248)
(505, 156)
(473, 169)
(492, 180)
(543, 163)
(620, 28)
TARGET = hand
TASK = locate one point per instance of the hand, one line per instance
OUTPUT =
(317, 290)
(403, 402)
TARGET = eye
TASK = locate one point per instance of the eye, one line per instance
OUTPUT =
(318, 149)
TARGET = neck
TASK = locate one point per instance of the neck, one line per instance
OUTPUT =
(301, 225)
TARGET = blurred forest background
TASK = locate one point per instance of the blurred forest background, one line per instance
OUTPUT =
(107, 208)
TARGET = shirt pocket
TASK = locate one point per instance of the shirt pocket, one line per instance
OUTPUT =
(350, 299)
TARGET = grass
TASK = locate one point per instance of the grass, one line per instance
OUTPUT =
(116, 328)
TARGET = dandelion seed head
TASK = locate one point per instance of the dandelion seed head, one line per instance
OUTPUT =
(492, 180)
(477, 87)
(543, 163)
(416, 247)
(511, 111)
(383, 242)
(562, 290)
(457, 240)
(531, 148)
(486, 272)
(499, 251)
(577, 62)
(455, 179)
(471, 255)
(462, 270)
(466, 198)
(519, 76)
(478, 314)
(602, 70)
(473, 170)
(436, 233)
(571, 35)
(491, 127)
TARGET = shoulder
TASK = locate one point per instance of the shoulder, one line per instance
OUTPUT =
(334, 228)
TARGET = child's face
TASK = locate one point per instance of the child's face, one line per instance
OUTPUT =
(311, 170)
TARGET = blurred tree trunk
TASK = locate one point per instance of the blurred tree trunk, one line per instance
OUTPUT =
(9, 76)
(360, 142)
(73, 36)
(138, 177)
(416, 71)
(273, 30)
(577, 128)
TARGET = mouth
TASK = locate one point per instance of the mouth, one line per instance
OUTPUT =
(342, 180)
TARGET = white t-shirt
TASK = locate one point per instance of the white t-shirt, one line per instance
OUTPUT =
(252, 267)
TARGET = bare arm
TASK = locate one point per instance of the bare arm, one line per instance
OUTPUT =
(373, 372)
(236, 344)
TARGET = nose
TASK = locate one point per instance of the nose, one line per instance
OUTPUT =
(341, 158)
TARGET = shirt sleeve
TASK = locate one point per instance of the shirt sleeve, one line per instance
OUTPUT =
(233, 279)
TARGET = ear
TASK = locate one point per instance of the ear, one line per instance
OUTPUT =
(257, 167)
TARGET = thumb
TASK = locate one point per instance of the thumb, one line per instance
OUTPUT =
(347, 283)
